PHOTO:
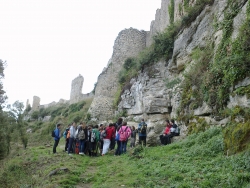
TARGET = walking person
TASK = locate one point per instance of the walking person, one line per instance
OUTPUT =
(142, 129)
(57, 137)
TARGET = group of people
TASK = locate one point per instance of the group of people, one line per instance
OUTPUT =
(99, 139)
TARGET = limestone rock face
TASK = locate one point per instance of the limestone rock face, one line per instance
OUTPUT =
(161, 21)
(128, 44)
(238, 20)
(149, 95)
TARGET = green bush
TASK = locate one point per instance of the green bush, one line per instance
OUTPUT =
(236, 137)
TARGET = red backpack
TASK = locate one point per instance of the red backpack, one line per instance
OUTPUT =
(123, 134)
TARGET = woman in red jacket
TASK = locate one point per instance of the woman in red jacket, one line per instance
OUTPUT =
(165, 138)
(107, 139)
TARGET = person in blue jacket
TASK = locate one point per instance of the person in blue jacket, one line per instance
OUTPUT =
(57, 137)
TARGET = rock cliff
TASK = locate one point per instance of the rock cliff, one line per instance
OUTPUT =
(149, 95)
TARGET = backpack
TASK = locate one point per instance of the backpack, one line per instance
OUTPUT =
(65, 133)
(68, 134)
(53, 134)
(177, 131)
(93, 137)
(117, 136)
(103, 134)
(123, 134)
(143, 128)
(81, 134)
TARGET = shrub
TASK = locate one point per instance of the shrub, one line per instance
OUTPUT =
(236, 137)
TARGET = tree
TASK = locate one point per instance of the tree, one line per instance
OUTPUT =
(4, 131)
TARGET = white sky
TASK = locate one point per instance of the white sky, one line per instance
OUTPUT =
(48, 43)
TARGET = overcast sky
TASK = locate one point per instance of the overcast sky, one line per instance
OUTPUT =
(48, 43)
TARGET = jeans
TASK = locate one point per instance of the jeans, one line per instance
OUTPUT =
(55, 145)
(117, 152)
(71, 140)
(123, 147)
(82, 144)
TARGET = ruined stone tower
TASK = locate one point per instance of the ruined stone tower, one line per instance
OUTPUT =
(76, 89)
(36, 103)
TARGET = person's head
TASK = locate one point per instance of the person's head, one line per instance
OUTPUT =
(74, 124)
(119, 121)
(83, 125)
(124, 123)
(110, 124)
(172, 121)
(142, 120)
(101, 125)
(167, 121)
(90, 127)
(133, 127)
(58, 125)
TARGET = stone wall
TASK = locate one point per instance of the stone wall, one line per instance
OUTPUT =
(128, 44)
(76, 89)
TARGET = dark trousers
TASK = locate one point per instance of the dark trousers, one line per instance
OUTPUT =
(93, 148)
(86, 148)
(71, 142)
(55, 145)
(165, 139)
(117, 152)
(112, 144)
(142, 140)
(66, 144)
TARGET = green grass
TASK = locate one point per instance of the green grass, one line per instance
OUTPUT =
(197, 161)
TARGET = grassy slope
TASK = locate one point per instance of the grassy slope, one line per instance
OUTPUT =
(197, 161)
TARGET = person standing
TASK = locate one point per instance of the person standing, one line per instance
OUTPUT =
(107, 139)
(81, 137)
(57, 137)
(72, 131)
(124, 133)
(66, 139)
(142, 129)
(133, 137)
